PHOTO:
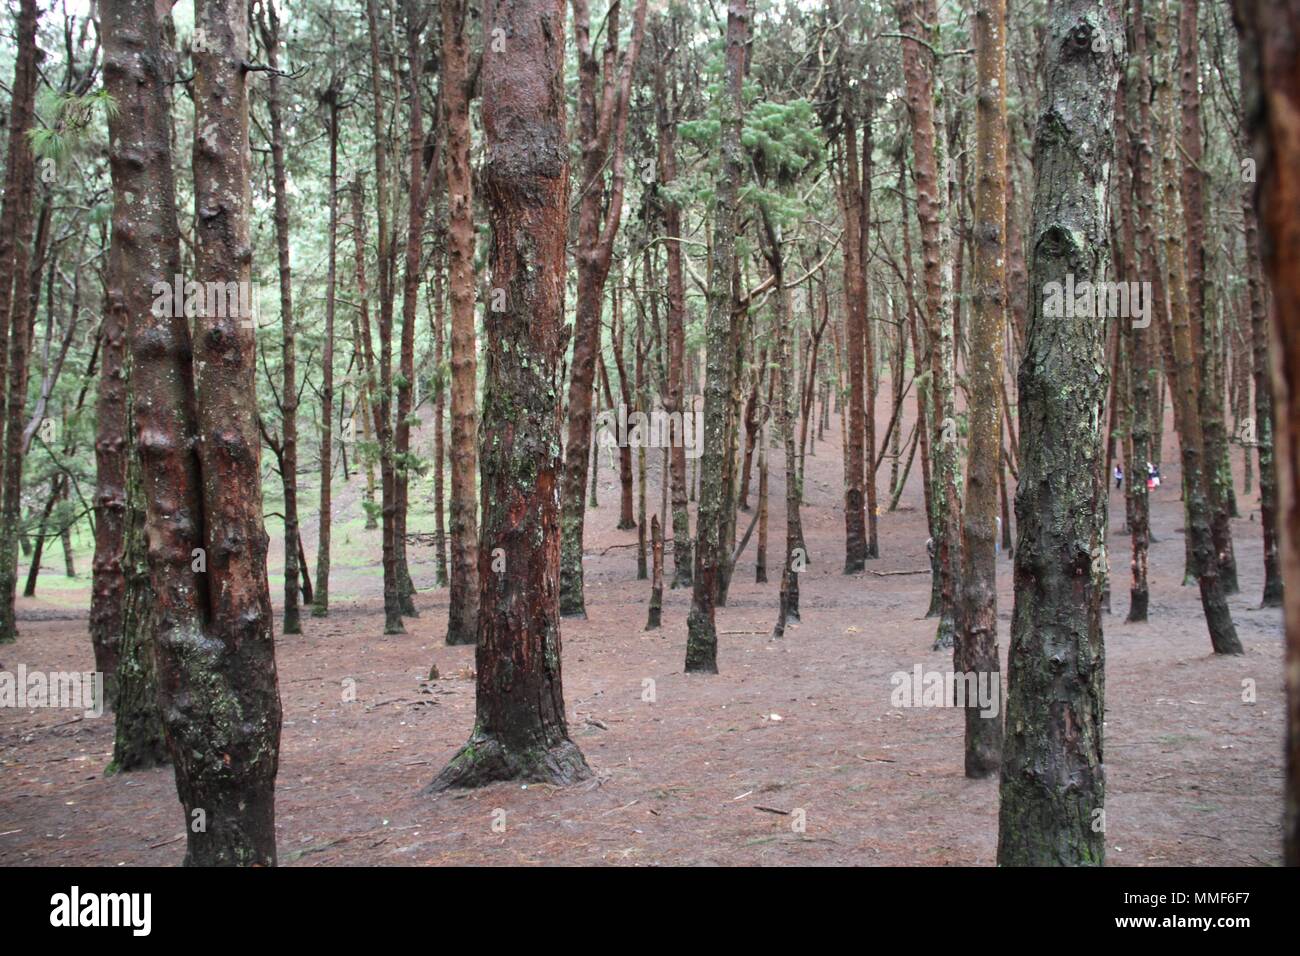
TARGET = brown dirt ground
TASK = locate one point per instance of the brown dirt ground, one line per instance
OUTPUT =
(1194, 774)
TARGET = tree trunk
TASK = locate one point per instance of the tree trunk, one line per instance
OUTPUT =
(976, 646)
(15, 285)
(1216, 464)
(196, 430)
(601, 136)
(462, 620)
(702, 637)
(520, 731)
(269, 28)
(415, 18)
(657, 582)
(931, 209)
(321, 605)
(1186, 388)
(1133, 164)
(1052, 774)
(855, 318)
(666, 119)
(383, 406)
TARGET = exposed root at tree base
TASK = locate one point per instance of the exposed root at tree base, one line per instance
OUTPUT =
(486, 760)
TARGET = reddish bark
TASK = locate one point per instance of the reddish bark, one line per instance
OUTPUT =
(520, 730)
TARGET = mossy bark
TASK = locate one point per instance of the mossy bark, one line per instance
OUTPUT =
(1053, 783)
(702, 637)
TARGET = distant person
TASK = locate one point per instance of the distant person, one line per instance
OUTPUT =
(1119, 476)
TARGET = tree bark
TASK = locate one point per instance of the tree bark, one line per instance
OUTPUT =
(666, 120)
(702, 637)
(931, 208)
(196, 431)
(520, 731)
(1053, 781)
(601, 135)
(976, 647)
(415, 19)
(15, 286)
(108, 581)
(269, 28)
(1185, 385)
(382, 407)
(1133, 162)
(462, 620)
(321, 604)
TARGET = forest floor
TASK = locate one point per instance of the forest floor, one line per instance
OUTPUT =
(715, 769)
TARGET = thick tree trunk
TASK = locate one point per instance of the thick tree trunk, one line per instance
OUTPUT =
(520, 731)
(196, 430)
(1270, 67)
(976, 647)
(1053, 782)
(702, 637)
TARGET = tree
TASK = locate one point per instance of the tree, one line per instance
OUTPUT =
(601, 136)
(702, 637)
(1185, 376)
(666, 118)
(462, 619)
(1140, 250)
(383, 408)
(520, 731)
(196, 430)
(1053, 786)
(419, 186)
(269, 29)
(976, 647)
(330, 100)
(15, 290)
(1205, 337)
(930, 171)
